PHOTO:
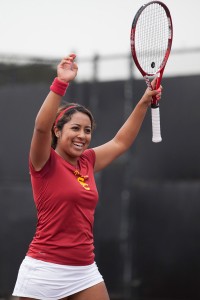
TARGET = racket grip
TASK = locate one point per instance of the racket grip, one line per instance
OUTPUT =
(155, 115)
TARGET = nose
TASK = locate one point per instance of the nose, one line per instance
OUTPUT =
(81, 134)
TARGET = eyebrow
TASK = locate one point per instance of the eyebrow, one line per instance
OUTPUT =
(77, 124)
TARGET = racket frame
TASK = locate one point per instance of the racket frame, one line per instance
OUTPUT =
(160, 70)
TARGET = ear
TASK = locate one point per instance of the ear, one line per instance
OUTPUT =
(56, 132)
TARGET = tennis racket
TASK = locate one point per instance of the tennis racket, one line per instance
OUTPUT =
(151, 41)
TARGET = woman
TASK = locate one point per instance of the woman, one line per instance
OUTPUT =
(60, 260)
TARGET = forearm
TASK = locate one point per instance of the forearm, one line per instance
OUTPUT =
(129, 131)
(47, 113)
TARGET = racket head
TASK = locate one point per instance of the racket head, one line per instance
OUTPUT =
(151, 38)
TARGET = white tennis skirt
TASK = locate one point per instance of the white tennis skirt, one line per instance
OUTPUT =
(48, 281)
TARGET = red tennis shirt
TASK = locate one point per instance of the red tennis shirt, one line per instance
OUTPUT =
(65, 200)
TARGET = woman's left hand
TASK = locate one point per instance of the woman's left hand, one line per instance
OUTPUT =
(148, 95)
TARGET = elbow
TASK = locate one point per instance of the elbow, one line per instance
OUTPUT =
(41, 127)
(120, 146)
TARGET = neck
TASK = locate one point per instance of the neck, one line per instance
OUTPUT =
(72, 161)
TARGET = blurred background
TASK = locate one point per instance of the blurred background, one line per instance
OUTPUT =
(147, 226)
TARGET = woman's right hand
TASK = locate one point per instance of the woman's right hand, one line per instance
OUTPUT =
(67, 69)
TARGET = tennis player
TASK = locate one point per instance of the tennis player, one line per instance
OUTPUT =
(60, 261)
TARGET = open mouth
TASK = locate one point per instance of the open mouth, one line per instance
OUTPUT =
(79, 145)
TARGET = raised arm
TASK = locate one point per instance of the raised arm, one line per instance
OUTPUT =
(126, 135)
(41, 140)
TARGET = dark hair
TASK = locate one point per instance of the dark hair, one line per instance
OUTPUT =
(66, 117)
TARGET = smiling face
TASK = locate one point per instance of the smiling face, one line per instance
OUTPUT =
(74, 137)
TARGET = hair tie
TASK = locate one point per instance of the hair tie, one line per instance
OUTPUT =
(62, 113)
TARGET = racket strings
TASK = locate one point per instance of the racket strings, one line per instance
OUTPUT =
(151, 38)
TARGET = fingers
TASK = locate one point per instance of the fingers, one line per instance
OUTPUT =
(75, 66)
(158, 93)
(71, 57)
(155, 93)
(68, 60)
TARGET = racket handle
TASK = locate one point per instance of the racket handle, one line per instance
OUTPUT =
(155, 115)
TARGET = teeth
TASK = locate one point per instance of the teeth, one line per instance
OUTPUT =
(78, 144)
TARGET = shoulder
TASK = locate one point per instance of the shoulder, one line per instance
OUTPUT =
(46, 167)
(89, 155)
